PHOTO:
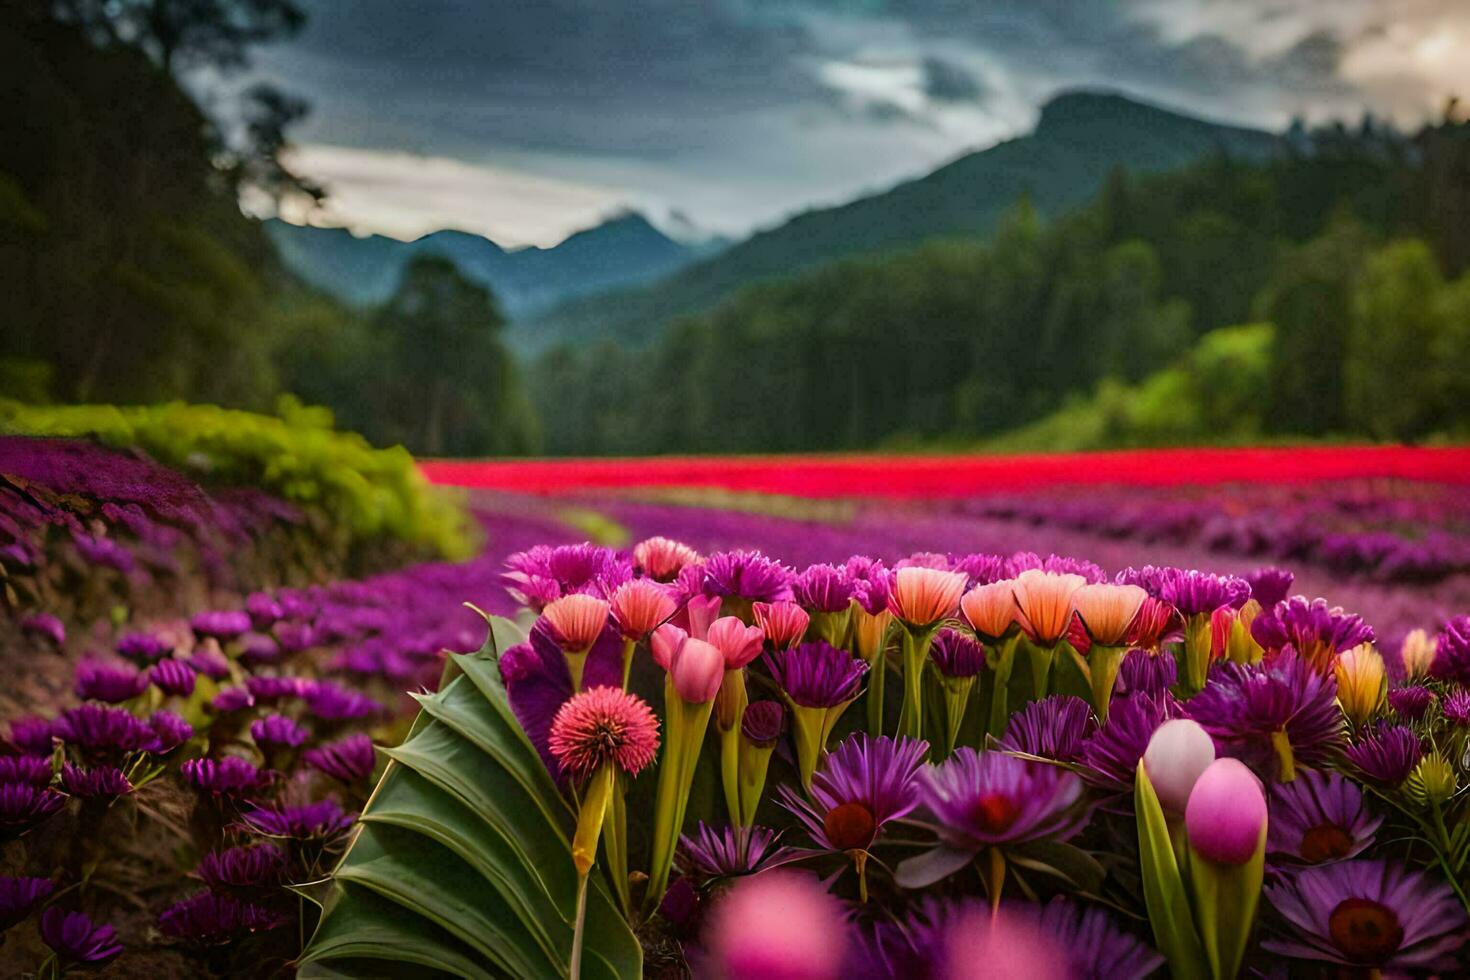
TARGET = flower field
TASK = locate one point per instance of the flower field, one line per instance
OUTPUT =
(904, 739)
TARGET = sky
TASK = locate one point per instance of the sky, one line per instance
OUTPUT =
(526, 120)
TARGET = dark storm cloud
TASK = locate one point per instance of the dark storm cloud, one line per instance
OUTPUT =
(945, 81)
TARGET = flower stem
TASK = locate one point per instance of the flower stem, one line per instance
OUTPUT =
(1102, 673)
(999, 697)
(915, 653)
(877, 673)
(579, 927)
(615, 844)
(628, 646)
(685, 726)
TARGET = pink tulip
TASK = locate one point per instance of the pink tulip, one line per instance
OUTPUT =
(695, 666)
(1179, 752)
(777, 926)
(665, 643)
(701, 611)
(739, 643)
(1226, 813)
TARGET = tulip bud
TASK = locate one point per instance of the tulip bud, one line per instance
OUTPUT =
(1225, 817)
(696, 671)
(1362, 682)
(990, 609)
(1177, 755)
(738, 643)
(1417, 653)
(665, 643)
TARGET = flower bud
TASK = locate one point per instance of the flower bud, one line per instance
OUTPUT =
(740, 644)
(1226, 813)
(1177, 755)
(640, 606)
(1362, 682)
(924, 596)
(1417, 653)
(990, 609)
(696, 671)
(784, 623)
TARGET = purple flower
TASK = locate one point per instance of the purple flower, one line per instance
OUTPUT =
(146, 647)
(210, 662)
(735, 851)
(77, 939)
(748, 575)
(1273, 714)
(1023, 561)
(1411, 702)
(957, 655)
(268, 690)
(1455, 708)
(233, 699)
(1317, 632)
(982, 799)
(102, 730)
(981, 569)
(1387, 755)
(330, 702)
(169, 732)
(263, 609)
(19, 898)
(537, 681)
(32, 769)
(763, 721)
(1196, 593)
(23, 805)
(543, 573)
(822, 588)
(257, 648)
(103, 552)
(872, 583)
(222, 624)
(172, 677)
(46, 626)
(208, 919)
(1319, 817)
(1452, 652)
(253, 866)
(230, 776)
(816, 674)
(1142, 672)
(349, 760)
(277, 731)
(295, 637)
(113, 683)
(1056, 727)
(864, 783)
(102, 781)
(1270, 585)
(1368, 915)
(1112, 754)
(32, 735)
(324, 819)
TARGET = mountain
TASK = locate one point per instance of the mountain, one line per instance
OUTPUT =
(622, 252)
(1079, 138)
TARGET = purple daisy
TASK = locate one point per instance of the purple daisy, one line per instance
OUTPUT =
(278, 731)
(169, 732)
(543, 573)
(104, 782)
(269, 689)
(1317, 632)
(1270, 585)
(208, 919)
(1112, 754)
(232, 699)
(295, 637)
(76, 939)
(1196, 593)
(817, 674)
(230, 776)
(1411, 702)
(747, 575)
(1142, 672)
(984, 799)
(1452, 652)
(222, 624)
(872, 583)
(33, 736)
(1455, 707)
(956, 655)
(102, 730)
(20, 896)
(863, 783)
(822, 588)
(1319, 817)
(253, 866)
(113, 683)
(1369, 914)
(1056, 727)
(1273, 714)
(331, 702)
(1388, 755)
(324, 819)
(144, 647)
(210, 662)
(257, 648)
(980, 569)
(23, 805)
(30, 769)
(46, 626)
(350, 760)
(173, 677)
(264, 610)
(734, 851)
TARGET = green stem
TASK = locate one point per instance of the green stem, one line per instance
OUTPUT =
(615, 845)
(915, 654)
(628, 647)
(576, 664)
(957, 692)
(877, 674)
(1102, 672)
(807, 725)
(730, 772)
(685, 726)
(1000, 696)
(574, 971)
(755, 760)
(1041, 660)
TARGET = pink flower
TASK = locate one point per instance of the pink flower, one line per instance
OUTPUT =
(662, 559)
(784, 623)
(777, 925)
(1177, 755)
(640, 606)
(1045, 603)
(701, 611)
(695, 667)
(604, 725)
(577, 620)
(990, 609)
(979, 945)
(739, 643)
(1226, 813)
(1107, 611)
(924, 596)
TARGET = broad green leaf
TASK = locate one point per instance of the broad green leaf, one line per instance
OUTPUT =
(362, 925)
(1163, 886)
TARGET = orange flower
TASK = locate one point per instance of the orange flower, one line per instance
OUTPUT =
(577, 620)
(1108, 611)
(923, 596)
(1044, 601)
(990, 609)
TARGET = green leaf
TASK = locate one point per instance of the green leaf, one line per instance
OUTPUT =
(361, 925)
(1163, 886)
(1225, 900)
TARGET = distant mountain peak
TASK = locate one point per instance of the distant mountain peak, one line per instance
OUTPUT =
(1088, 108)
